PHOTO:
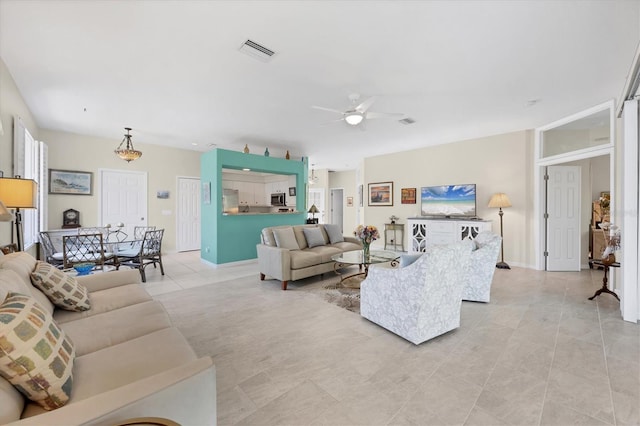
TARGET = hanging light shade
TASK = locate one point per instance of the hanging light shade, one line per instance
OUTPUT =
(127, 153)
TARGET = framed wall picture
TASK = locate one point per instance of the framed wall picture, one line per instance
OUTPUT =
(70, 182)
(349, 201)
(408, 196)
(292, 191)
(162, 194)
(381, 194)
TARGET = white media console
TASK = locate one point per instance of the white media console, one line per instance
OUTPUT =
(424, 232)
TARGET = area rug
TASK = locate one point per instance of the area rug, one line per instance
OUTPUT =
(347, 298)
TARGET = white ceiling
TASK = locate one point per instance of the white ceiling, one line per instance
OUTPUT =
(172, 71)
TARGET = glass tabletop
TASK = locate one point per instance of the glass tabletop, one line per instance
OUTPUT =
(356, 257)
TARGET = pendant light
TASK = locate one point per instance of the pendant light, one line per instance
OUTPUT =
(128, 153)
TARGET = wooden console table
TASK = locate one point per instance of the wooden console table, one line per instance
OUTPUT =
(605, 287)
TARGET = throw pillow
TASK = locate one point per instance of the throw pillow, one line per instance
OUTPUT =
(334, 233)
(35, 354)
(313, 236)
(408, 259)
(63, 290)
(285, 238)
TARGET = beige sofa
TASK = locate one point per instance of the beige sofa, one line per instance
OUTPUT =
(130, 361)
(287, 264)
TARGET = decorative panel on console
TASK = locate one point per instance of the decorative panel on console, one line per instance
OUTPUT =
(427, 232)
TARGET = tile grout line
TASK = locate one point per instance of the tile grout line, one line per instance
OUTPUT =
(606, 363)
(553, 358)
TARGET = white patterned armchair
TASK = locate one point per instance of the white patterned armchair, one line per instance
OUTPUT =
(420, 301)
(479, 276)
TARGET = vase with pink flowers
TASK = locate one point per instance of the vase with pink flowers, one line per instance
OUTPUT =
(366, 234)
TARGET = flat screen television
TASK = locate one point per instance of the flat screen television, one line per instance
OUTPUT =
(448, 200)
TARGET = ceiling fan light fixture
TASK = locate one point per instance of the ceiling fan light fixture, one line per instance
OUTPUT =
(353, 118)
(127, 153)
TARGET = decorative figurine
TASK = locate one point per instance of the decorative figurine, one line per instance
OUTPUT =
(288, 157)
(266, 152)
(246, 148)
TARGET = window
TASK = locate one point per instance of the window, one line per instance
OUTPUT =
(29, 162)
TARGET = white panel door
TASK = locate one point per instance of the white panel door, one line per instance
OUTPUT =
(123, 198)
(188, 214)
(563, 223)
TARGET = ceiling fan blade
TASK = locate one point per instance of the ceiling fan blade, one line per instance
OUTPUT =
(371, 115)
(327, 109)
(328, 123)
(365, 105)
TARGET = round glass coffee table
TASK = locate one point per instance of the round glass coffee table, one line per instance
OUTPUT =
(356, 257)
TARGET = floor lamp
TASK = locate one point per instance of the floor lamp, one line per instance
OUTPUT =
(18, 194)
(500, 200)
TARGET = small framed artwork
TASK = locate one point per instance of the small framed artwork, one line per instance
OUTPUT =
(70, 182)
(292, 191)
(408, 196)
(162, 194)
(381, 194)
(206, 192)
(349, 201)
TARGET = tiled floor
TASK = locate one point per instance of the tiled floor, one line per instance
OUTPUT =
(539, 354)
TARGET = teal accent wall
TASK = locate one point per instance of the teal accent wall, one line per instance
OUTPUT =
(230, 238)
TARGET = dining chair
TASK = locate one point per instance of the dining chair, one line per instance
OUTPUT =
(147, 253)
(51, 254)
(138, 231)
(87, 248)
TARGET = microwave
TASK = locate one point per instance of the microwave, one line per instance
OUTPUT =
(278, 199)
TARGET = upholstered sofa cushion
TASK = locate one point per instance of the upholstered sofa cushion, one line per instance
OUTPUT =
(23, 266)
(62, 289)
(304, 258)
(107, 300)
(334, 233)
(314, 237)
(285, 238)
(123, 324)
(10, 282)
(35, 354)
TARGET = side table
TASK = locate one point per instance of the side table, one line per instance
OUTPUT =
(605, 288)
(391, 232)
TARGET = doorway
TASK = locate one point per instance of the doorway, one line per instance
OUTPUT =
(337, 207)
(188, 214)
(123, 199)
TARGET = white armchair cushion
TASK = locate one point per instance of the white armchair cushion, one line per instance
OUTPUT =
(420, 301)
(479, 276)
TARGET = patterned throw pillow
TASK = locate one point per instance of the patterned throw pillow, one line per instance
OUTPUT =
(35, 354)
(63, 290)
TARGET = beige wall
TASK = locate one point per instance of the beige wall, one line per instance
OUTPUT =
(11, 105)
(346, 180)
(68, 151)
(501, 163)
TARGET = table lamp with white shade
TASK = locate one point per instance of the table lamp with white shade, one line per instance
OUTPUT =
(500, 200)
(17, 193)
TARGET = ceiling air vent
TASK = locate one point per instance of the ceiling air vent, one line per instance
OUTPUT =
(407, 121)
(257, 51)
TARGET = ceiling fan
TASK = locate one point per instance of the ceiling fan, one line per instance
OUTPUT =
(357, 113)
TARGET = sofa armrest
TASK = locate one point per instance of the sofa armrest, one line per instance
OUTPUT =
(105, 280)
(185, 394)
(274, 262)
(352, 240)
